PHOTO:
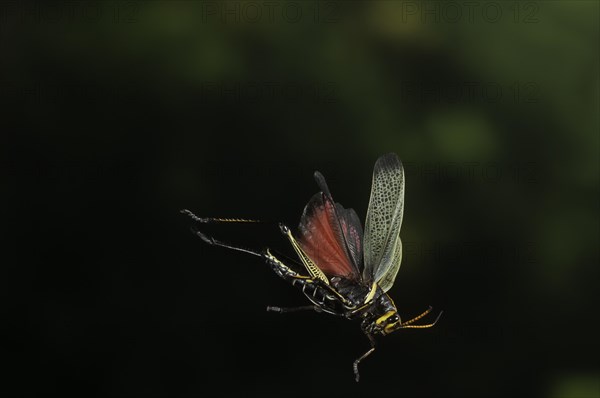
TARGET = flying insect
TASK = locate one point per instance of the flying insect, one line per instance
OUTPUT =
(347, 272)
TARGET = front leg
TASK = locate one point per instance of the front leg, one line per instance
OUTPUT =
(363, 356)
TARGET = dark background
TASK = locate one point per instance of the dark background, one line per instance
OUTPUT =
(115, 115)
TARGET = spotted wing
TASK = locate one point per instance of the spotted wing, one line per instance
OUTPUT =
(330, 235)
(382, 245)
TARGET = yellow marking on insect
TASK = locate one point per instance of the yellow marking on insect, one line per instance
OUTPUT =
(391, 327)
(311, 267)
(384, 317)
(391, 301)
(271, 257)
(371, 293)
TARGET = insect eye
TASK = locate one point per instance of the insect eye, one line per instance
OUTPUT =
(393, 319)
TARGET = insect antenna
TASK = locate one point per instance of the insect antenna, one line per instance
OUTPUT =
(418, 317)
(407, 324)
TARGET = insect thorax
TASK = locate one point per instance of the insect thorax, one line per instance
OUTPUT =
(351, 289)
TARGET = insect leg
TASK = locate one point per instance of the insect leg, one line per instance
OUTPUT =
(210, 220)
(282, 310)
(363, 356)
(302, 281)
(283, 270)
(212, 241)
